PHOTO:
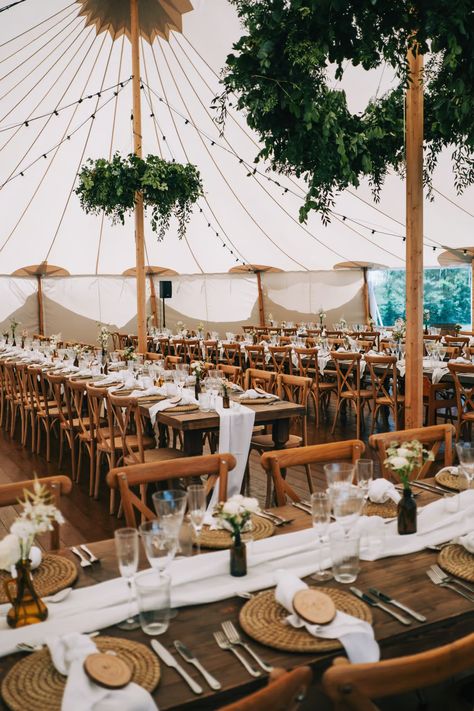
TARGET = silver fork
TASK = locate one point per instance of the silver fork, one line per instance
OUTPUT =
(84, 562)
(437, 580)
(451, 579)
(224, 643)
(234, 637)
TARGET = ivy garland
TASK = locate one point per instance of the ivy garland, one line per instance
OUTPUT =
(168, 189)
(280, 72)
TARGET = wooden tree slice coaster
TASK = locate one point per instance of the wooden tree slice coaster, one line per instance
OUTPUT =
(314, 607)
(107, 670)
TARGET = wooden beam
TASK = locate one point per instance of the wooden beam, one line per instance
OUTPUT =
(261, 306)
(137, 147)
(472, 294)
(40, 305)
(365, 293)
(414, 243)
(153, 300)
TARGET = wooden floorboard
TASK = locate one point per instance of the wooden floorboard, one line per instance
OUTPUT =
(88, 519)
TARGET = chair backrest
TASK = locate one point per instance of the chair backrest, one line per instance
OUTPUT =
(10, 494)
(232, 372)
(193, 350)
(231, 353)
(453, 351)
(280, 358)
(347, 371)
(256, 356)
(284, 692)
(351, 686)
(264, 379)
(179, 345)
(163, 346)
(76, 400)
(273, 462)
(38, 390)
(123, 478)
(456, 340)
(210, 351)
(306, 363)
(58, 387)
(128, 420)
(100, 416)
(431, 437)
(172, 361)
(384, 379)
(464, 390)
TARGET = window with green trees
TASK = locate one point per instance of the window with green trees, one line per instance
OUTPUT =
(447, 295)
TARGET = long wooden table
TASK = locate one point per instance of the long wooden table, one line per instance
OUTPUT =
(449, 617)
(194, 424)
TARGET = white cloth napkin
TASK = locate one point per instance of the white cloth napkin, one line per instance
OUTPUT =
(323, 360)
(467, 541)
(186, 399)
(146, 393)
(381, 490)
(254, 395)
(81, 693)
(356, 636)
(235, 433)
(401, 367)
(438, 374)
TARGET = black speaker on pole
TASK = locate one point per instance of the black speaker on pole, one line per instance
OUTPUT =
(166, 289)
(166, 292)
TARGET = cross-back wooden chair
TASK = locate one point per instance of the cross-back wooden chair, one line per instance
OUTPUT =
(163, 346)
(76, 401)
(11, 494)
(215, 466)
(232, 372)
(277, 461)
(464, 391)
(351, 687)
(231, 354)
(307, 366)
(13, 397)
(3, 395)
(172, 361)
(292, 388)
(129, 422)
(280, 359)
(460, 341)
(349, 386)
(284, 692)
(256, 357)
(431, 437)
(384, 381)
(452, 352)
(67, 428)
(193, 350)
(210, 352)
(439, 400)
(47, 414)
(27, 411)
(179, 348)
(264, 379)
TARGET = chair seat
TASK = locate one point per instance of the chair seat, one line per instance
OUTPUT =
(132, 442)
(266, 442)
(156, 455)
(364, 394)
(326, 386)
(388, 400)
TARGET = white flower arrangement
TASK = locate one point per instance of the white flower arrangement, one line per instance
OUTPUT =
(404, 458)
(198, 369)
(234, 513)
(200, 326)
(13, 326)
(129, 353)
(399, 329)
(103, 337)
(181, 327)
(321, 315)
(38, 515)
(55, 340)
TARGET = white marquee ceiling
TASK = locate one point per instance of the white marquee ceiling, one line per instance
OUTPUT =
(63, 60)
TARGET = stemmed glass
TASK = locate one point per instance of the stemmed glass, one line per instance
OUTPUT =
(160, 548)
(364, 474)
(170, 506)
(347, 502)
(465, 452)
(321, 515)
(338, 474)
(197, 510)
(126, 546)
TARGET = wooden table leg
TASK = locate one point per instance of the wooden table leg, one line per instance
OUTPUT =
(280, 433)
(192, 445)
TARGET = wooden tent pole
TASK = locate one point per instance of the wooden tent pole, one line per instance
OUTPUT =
(472, 294)
(261, 306)
(40, 305)
(137, 147)
(414, 243)
(153, 300)
(365, 289)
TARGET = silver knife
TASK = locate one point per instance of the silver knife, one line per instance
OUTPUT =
(400, 605)
(373, 603)
(188, 656)
(170, 661)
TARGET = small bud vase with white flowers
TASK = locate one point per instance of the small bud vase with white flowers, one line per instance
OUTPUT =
(234, 515)
(403, 459)
(198, 369)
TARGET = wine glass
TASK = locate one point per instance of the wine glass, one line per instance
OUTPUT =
(465, 452)
(321, 515)
(197, 510)
(347, 502)
(364, 474)
(160, 548)
(126, 546)
(170, 506)
(338, 474)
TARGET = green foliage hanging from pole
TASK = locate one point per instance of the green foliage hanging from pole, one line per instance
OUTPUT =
(282, 71)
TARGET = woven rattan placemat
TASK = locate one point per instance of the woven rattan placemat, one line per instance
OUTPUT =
(54, 574)
(457, 482)
(220, 538)
(456, 560)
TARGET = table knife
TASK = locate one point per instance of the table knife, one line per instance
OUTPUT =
(373, 603)
(400, 605)
(301, 507)
(428, 487)
(188, 656)
(170, 661)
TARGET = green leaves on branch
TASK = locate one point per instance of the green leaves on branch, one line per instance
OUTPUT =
(283, 72)
(167, 188)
